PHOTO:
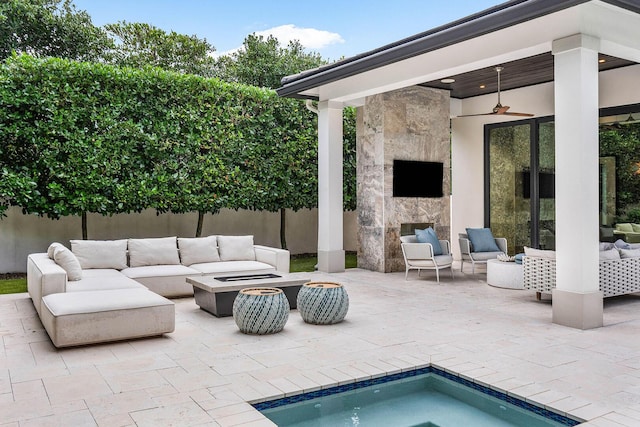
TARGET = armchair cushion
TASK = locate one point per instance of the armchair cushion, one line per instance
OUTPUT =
(482, 240)
(428, 235)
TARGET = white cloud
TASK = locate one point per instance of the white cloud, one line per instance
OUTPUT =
(310, 38)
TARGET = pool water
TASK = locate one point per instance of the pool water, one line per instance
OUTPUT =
(420, 400)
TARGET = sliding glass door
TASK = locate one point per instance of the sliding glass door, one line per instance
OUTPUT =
(520, 184)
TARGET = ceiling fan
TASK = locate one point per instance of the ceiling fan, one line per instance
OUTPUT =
(499, 109)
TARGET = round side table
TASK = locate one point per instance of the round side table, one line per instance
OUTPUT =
(260, 311)
(504, 274)
(323, 303)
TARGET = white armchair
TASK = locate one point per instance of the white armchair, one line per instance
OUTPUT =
(468, 254)
(419, 256)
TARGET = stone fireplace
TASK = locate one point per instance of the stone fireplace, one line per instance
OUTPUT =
(407, 124)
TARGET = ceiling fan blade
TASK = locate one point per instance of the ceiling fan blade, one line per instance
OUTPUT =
(519, 114)
(477, 115)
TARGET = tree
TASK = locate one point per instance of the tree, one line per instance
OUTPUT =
(263, 62)
(50, 28)
(139, 45)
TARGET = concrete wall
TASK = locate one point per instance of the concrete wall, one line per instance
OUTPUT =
(617, 87)
(21, 234)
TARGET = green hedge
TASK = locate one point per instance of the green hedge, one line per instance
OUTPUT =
(86, 137)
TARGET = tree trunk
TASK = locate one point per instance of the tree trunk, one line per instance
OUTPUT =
(200, 221)
(283, 223)
(84, 226)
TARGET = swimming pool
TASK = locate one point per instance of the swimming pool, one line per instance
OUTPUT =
(427, 397)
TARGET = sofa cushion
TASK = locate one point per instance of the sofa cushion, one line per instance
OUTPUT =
(98, 279)
(159, 271)
(101, 253)
(428, 235)
(625, 227)
(629, 253)
(610, 254)
(539, 253)
(605, 246)
(236, 248)
(229, 268)
(68, 261)
(156, 251)
(482, 240)
(636, 228)
(52, 248)
(198, 250)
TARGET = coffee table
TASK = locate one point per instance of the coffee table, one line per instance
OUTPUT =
(215, 295)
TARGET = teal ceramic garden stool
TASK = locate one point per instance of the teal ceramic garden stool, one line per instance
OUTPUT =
(323, 303)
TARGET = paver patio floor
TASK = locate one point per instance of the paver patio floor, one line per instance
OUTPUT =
(205, 372)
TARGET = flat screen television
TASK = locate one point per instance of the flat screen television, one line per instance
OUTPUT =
(417, 179)
(547, 185)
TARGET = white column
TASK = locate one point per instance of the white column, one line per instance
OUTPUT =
(577, 301)
(330, 188)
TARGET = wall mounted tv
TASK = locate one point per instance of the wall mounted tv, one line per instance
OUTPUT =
(417, 179)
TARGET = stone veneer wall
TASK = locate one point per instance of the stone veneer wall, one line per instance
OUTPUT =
(407, 124)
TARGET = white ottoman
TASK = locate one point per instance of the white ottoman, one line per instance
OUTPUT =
(504, 274)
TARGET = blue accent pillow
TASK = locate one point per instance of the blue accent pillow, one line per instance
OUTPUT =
(428, 235)
(518, 258)
(482, 240)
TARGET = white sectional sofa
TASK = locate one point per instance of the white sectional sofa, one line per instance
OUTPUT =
(105, 290)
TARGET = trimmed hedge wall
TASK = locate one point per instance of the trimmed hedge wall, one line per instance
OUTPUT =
(86, 137)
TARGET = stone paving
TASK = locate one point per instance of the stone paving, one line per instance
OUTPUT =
(206, 371)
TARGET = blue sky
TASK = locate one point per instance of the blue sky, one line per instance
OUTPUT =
(333, 28)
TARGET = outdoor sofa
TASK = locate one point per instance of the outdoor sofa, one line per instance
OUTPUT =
(107, 290)
(619, 270)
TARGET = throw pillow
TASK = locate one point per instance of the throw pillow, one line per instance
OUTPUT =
(236, 248)
(518, 258)
(52, 248)
(101, 253)
(636, 228)
(198, 250)
(621, 244)
(157, 251)
(625, 227)
(482, 240)
(539, 253)
(609, 254)
(68, 261)
(428, 235)
(629, 253)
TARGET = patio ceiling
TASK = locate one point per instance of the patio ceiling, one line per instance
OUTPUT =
(517, 32)
(516, 74)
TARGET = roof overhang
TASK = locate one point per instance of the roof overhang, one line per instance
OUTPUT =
(508, 32)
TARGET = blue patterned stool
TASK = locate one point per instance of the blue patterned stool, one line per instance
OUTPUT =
(323, 303)
(261, 311)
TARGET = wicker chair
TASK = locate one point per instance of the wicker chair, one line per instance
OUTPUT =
(419, 256)
(616, 277)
